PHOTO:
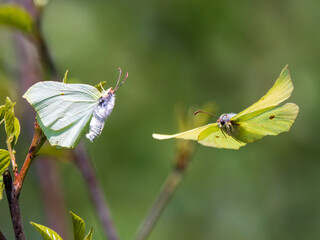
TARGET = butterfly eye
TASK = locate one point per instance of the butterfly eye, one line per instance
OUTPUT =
(220, 122)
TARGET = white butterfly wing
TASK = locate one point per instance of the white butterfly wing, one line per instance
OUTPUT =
(63, 110)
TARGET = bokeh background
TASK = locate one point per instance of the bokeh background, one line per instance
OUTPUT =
(183, 53)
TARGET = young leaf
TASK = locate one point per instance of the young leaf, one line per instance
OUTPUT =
(1, 186)
(2, 111)
(12, 124)
(16, 132)
(100, 86)
(15, 16)
(78, 227)
(4, 164)
(4, 160)
(9, 118)
(89, 235)
(45, 232)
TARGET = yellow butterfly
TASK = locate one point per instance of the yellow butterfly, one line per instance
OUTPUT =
(260, 119)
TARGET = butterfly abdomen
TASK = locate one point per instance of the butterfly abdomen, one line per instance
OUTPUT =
(101, 112)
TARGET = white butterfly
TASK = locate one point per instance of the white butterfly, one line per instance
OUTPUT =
(64, 110)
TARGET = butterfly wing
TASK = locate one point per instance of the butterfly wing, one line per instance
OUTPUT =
(188, 135)
(214, 137)
(280, 91)
(208, 135)
(63, 110)
(268, 121)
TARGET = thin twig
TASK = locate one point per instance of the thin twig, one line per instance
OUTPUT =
(169, 188)
(13, 201)
(37, 141)
(99, 202)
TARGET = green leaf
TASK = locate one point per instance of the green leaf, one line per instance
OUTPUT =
(1, 186)
(2, 111)
(9, 118)
(16, 132)
(4, 164)
(11, 123)
(100, 86)
(78, 227)
(4, 160)
(13, 15)
(46, 232)
(89, 236)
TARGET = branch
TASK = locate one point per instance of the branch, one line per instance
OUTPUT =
(169, 188)
(83, 163)
(13, 201)
(50, 66)
(37, 141)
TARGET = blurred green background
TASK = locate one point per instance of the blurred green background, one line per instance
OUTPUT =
(190, 53)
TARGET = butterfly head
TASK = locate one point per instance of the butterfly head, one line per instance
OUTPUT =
(225, 119)
(107, 92)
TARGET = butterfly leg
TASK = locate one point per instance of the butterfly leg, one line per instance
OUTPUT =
(223, 133)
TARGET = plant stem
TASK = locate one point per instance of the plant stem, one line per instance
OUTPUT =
(50, 66)
(37, 141)
(13, 189)
(169, 188)
(99, 202)
(160, 204)
(13, 201)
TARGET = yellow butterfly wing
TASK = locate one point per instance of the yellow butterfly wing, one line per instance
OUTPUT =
(214, 137)
(269, 121)
(208, 135)
(188, 135)
(280, 91)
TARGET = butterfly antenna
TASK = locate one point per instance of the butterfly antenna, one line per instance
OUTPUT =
(199, 111)
(117, 87)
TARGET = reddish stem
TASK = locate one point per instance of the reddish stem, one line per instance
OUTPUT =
(37, 141)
